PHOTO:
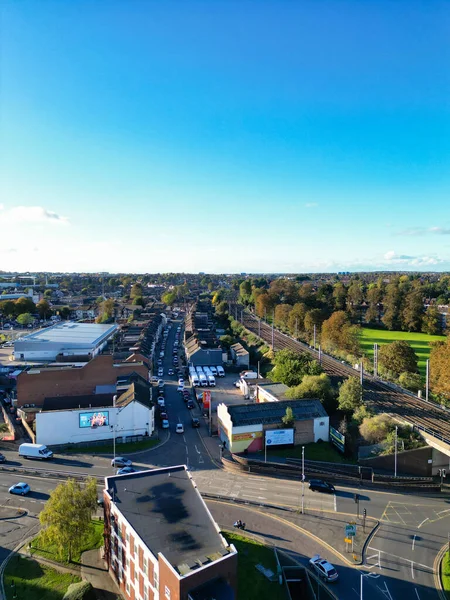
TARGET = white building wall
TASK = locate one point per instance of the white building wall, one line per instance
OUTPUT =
(63, 426)
(322, 429)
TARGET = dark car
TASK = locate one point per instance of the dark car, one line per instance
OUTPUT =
(2, 458)
(195, 423)
(318, 485)
(190, 404)
(163, 415)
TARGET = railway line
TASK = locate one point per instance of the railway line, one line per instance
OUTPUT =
(381, 396)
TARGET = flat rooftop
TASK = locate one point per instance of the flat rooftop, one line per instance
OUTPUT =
(84, 334)
(168, 514)
(272, 412)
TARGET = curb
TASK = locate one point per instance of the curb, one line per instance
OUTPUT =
(6, 561)
(437, 572)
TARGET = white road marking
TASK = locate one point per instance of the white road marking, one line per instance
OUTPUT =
(385, 592)
(335, 506)
(198, 451)
(417, 594)
(401, 558)
(424, 521)
(412, 569)
(413, 542)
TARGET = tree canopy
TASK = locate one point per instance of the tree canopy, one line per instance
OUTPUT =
(396, 358)
(290, 367)
(440, 367)
(350, 394)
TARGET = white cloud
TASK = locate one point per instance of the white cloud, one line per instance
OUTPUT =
(440, 230)
(311, 204)
(30, 214)
(414, 231)
(393, 258)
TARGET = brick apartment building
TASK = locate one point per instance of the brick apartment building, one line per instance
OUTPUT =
(36, 384)
(161, 542)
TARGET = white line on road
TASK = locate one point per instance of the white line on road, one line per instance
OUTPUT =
(424, 521)
(417, 594)
(198, 451)
(335, 507)
(412, 569)
(401, 558)
(413, 542)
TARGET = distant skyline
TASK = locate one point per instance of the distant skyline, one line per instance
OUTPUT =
(224, 136)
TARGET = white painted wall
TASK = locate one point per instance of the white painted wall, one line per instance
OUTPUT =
(63, 426)
(322, 429)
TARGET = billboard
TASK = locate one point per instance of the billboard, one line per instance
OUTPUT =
(98, 418)
(337, 439)
(276, 437)
(206, 399)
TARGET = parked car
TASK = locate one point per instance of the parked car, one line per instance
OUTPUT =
(161, 402)
(2, 458)
(180, 381)
(323, 568)
(179, 428)
(318, 485)
(20, 489)
(154, 379)
(125, 471)
(170, 372)
(180, 388)
(163, 415)
(121, 461)
(195, 423)
(190, 404)
(165, 424)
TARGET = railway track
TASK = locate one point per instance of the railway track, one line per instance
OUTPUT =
(381, 396)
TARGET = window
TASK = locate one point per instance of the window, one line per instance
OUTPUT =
(156, 581)
(128, 588)
(128, 537)
(166, 592)
(145, 594)
(145, 567)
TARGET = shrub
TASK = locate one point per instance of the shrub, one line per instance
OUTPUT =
(375, 429)
(410, 381)
(80, 591)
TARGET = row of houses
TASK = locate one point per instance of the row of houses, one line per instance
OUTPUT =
(201, 345)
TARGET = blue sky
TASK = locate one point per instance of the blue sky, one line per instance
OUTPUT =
(225, 136)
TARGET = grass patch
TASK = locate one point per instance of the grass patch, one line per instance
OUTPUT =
(252, 584)
(445, 574)
(94, 539)
(323, 451)
(420, 342)
(109, 449)
(34, 581)
(3, 428)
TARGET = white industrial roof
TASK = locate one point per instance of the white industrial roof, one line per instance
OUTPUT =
(88, 334)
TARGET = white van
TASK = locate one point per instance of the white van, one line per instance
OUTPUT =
(194, 380)
(38, 451)
(213, 370)
(203, 380)
(211, 380)
(199, 370)
(220, 371)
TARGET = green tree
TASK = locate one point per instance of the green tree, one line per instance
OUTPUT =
(410, 381)
(25, 319)
(43, 308)
(282, 312)
(375, 429)
(136, 291)
(66, 518)
(222, 308)
(24, 305)
(312, 386)
(8, 307)
(391, 304)
(169, 298)
(396, 358)
(48, 293)
(339, 334)
(288, 419)
(440, 368)
(64, 312)
(227, 341)
(431, 322)
(313, 317)
(290, 367)
(138, 301)
(245, 291)
(106, 311)
(413, 310)
(339, 296)
(296, 321)
(350, 395)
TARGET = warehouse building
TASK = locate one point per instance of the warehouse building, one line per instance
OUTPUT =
(161, 541)
(247, 427)
(62, 340)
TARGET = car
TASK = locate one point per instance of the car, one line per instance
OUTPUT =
(170, 372)
(160, 372)
(160, 383)
(163, 415)
(318, 485)
(159, 362)
(20, 489)
(2, 458)
(121, 461)
(195, 423)
(190, 404)
(154, 379)
(180, 381)
(180, 388)
(323, 568)
(161, 402)
(125, 471)
(186, 392)
(179, 428)
(165, 424)
(100, 502)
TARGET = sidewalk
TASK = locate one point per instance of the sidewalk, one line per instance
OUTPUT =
(93, 569)
(212, 444)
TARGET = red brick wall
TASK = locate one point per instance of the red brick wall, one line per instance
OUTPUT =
(33, 388)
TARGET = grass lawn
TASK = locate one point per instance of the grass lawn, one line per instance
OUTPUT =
(323, 451)
(93, 540)
(120, 448)
(253, 585)
(419, 342)
(445, 574)
(34, 581)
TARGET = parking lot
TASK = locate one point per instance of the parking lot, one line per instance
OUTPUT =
(225, 391)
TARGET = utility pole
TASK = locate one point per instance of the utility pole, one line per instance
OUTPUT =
(259, 327)
(303, 480)
(375, 360)
(296, 328)
(427, 383)
(258, 368)
(442, 473)
(265, 449)
(395, 458)
(320, 354)
(314, 337)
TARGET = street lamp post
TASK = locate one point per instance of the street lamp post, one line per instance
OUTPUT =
(303, 479)
(395, 458)
(427, 382)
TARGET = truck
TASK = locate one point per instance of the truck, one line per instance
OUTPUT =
(37, 451)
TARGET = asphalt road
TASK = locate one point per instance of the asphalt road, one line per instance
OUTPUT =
(399, 558)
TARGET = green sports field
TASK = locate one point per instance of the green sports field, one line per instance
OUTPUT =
(419, 341)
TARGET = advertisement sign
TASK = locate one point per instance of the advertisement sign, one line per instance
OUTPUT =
(337, 439)
(94, 419)
(250, 435)
(276, 437)
(206, 399)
